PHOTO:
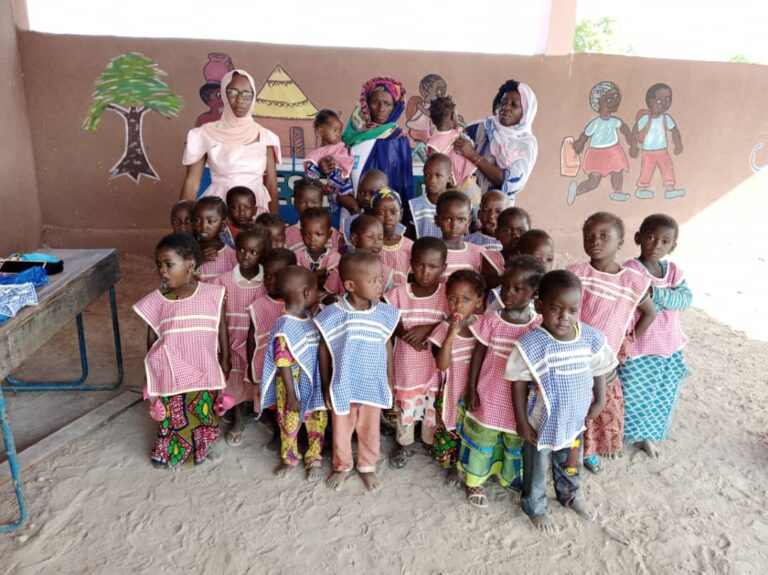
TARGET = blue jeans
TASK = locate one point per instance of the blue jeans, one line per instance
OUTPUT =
(535, 462)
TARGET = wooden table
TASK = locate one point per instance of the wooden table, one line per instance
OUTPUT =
(87, 275)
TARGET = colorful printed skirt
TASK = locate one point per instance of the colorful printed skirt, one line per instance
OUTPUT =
(445, 447)
(189, 429)
(486, 452)
(652, 386)
(605, 433)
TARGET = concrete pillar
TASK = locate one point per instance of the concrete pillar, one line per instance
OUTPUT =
(562, 24)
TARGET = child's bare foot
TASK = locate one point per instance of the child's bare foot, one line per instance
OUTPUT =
(336, 481)
(453, 478)
(283, 470)
(372, 483)
(584, 511)
(543, 523)
(314, 473)
(650, 448)
(613, 455)
(234, 436)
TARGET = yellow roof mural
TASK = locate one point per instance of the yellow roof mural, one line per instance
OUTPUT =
(281, 97)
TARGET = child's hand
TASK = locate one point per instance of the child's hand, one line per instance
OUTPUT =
(292, 404)
(471, 400)
(209, 254)
(454, 324)
(464, 147)
(327, 164)
(417, 336)
(633, 151)
(527, 432)
(327, 399)
(626, 347)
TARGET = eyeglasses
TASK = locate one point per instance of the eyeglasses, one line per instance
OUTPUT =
(234, 94)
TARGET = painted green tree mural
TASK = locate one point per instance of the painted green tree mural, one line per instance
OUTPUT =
(131, 85)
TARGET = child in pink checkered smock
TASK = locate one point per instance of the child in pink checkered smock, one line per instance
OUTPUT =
(387, 207)
(210, 219)
(490, 444)
(422, 306)
(308, 193)
(611, 296)
(187, 354)
(243, 284)
(453, 216)
(452, 345)
(314, 253)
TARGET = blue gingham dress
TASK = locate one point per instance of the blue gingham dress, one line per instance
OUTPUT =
(480, 239)
(424, 217)
(357, 341)
(564, 379)
(303, 340)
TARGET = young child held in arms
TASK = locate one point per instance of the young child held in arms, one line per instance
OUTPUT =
(437, 175)
(654, 371)
(442, 112)
(210, 220)
(183, 217)
(276, 226)
(453, 216)
(422, 306)
(566, 361)
(243, 285)
(452, 345)
(387, 207)
(241, 209)
(307, 193)
(187, 354)
(490, 444)
(367, 233)
(314, 254)
(492, 204)
(291, 377)
(357, 326)
(333, 162)
(603, 278)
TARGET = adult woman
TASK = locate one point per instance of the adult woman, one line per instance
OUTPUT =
(375, 140)
(238, 151)
(503, 147)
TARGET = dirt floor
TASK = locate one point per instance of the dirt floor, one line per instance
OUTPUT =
(97, 506)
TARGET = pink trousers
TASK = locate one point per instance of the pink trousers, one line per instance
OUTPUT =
(363, 420)
(651, 159)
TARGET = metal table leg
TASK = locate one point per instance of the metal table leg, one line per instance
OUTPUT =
(10, 449)
(77, 384)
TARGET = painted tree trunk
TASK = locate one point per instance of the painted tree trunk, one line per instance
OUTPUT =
(134, 162)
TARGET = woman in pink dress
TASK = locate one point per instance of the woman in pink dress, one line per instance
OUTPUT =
(237, 150)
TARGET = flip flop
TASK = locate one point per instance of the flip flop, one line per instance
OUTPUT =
(593, 464)
(399, 457)
(477, 497)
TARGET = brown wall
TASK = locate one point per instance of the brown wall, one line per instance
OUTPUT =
(19, 205)
(719, 109)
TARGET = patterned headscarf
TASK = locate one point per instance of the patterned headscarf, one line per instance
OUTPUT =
(361, 126)
(384, 193)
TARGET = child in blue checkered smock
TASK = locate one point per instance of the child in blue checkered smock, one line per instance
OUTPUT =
(355, 359)
(565, 363)
(437, 176)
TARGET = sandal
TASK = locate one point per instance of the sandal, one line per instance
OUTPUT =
(234, 438)
(477, 497)
(399, 457)
(593, 464)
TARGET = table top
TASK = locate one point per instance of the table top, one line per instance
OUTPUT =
(87, 274)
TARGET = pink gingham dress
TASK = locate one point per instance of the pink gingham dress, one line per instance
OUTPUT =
(398, 257)
(469, 257)
(225, 261)
(263, 312)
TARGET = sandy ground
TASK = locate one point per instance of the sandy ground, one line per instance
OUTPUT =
(97, 506)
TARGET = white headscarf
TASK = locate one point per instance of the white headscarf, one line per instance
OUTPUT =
(231, 130)
(510, 144)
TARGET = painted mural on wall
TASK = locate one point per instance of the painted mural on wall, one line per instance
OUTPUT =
(283, 107)
(604, 155)
(214, 70)
(131, 85)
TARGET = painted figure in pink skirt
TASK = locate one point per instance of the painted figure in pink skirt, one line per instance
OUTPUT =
(237, 150)
(604, 155)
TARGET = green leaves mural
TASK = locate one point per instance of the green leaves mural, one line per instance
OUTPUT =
(131, 85)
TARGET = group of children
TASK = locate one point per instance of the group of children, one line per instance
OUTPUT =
(466, 342)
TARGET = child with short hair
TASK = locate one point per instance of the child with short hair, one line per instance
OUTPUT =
(291, 377)
(437, 175)
(370, 183)
(187, 354)
(511, 224)
(333, 162)
(422, 306)
(452, 216)
(307, 193)
(243, 285)
(654, 372)
(314, 253)
(183, 217)
(452, 345)
(357, 326)
(276, 226)
(566, 361)
(210, 220)
(387, 207)
(611, 295)
(442, 112)
(490, 444)
(264, 311)
(241, 209)
(492, 204)
(367, 234)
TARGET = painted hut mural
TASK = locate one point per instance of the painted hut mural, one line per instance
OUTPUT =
(130, 86)
(283, 107)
